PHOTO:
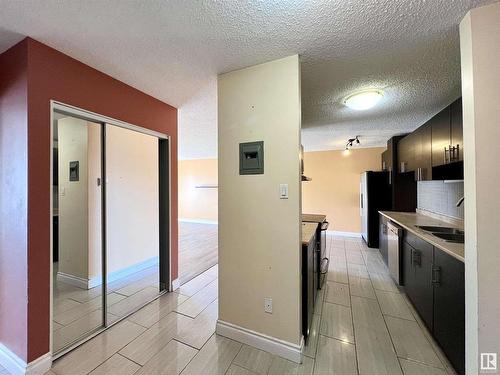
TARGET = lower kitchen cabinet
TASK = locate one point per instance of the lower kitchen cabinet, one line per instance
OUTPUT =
(417, 275)
(449, 307)
(435, 284)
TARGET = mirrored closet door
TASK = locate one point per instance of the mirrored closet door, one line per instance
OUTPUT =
(111, 219)
(77, 260)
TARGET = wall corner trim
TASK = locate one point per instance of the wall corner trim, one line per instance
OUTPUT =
(175, 284)
(17, 366)
(269, 344)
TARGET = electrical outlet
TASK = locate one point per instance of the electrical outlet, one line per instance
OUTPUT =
(268, 305)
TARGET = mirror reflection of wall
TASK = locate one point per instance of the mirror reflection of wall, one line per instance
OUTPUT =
(132, 218)
(77, 262)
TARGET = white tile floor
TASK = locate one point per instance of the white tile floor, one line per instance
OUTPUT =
(78, 311)
(362, 325)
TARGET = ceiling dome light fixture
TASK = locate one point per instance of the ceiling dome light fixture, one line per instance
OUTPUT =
(363, 100)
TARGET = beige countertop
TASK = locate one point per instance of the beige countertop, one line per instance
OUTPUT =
(308, 232)
(314, 218)
(409, 221)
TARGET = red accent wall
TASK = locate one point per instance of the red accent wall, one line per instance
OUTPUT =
(14, 198)
(54, 75)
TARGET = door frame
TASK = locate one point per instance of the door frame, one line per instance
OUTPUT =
(165, 213)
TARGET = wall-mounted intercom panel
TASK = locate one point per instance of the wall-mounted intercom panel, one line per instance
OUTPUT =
(252, 158)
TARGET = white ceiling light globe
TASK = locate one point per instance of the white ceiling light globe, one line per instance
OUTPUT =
(363, 100)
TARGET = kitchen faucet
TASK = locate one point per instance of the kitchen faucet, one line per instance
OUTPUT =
(460, 201)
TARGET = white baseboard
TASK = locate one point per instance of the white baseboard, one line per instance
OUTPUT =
(199, 221)
(124, 272)
(269, 344)
(83, 283)
(16, 366)
(77, 281)
(175, 284)
(343, 234)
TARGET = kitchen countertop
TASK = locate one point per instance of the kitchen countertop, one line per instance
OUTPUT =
(308, 232)
(314, 218)
(409, 220)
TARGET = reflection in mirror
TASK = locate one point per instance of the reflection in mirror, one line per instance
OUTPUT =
(132, 220)
(77, 250)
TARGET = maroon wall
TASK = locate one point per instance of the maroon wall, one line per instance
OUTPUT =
(53, 75)
(13, 199)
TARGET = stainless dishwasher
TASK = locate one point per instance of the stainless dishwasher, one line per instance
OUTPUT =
(394, 234)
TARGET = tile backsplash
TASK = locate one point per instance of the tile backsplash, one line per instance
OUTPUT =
(441, 197)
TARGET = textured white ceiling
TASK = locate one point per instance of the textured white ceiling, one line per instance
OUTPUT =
(173, 49)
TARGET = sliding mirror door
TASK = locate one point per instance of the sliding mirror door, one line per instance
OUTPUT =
(77, 243)
(110, 218)
(132, 219)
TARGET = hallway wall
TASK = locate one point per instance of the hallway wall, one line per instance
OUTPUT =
(198, 203)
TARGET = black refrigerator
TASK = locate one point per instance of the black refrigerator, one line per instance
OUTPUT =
(374, 196)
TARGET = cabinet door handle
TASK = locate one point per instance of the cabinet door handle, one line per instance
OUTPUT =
(445, 152)
(458, 152)
(436, 275)
(416, 258)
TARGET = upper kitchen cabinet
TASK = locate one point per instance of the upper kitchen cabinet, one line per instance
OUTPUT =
(441, 137)
(414, 153)
(457, 130)
(406, 154)
(434, 151)
(423, 155)
(447, 135)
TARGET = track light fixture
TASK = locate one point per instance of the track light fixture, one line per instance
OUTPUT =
(352, 142)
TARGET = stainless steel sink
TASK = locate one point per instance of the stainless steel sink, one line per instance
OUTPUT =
(451, 237)
(435, 230)
(448, 234)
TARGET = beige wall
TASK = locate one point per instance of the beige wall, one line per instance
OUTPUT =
(73, 199)
(198, 203)
(132, 214)
(94, 202)
(334, 189)
(480, 61)
(259, 233)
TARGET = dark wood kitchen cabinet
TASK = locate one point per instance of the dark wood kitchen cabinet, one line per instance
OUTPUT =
(449, 307)
(457, 138)
(434, 281)
(422, 151)
(406, 154)
(441, 140)
(417, 275)
(434, 151)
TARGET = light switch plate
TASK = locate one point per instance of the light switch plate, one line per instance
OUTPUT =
(268, 305)
(283, 191)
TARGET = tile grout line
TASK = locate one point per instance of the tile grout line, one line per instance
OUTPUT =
(121, 355)
(352, 317)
